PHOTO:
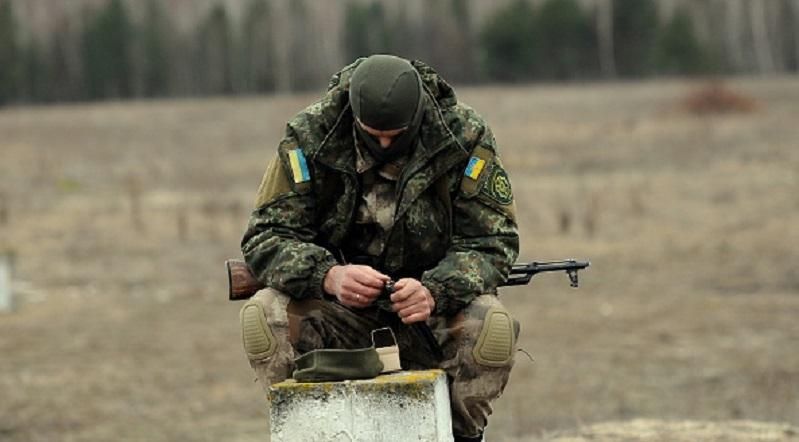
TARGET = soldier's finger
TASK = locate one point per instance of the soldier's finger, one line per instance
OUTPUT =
(413, 303)
(364, 295)
(405, 288)
(399, 306)
(416, 317)
(369, 279)
(352, 285)
(347, 300)
(414, 299)
(401, 295)
(405, 282)
(369, 293)
(371, 271)
(409, 310)
(359, 301)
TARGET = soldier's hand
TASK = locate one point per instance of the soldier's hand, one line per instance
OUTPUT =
(412, 301)
(354, 285)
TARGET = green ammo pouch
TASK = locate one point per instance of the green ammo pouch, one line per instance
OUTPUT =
(329, 365)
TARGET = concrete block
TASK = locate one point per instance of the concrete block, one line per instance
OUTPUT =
(397, 407)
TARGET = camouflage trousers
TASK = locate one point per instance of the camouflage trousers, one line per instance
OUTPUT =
(476, 347)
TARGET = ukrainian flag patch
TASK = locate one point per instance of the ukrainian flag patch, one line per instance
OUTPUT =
(299, 167)
(474, 168)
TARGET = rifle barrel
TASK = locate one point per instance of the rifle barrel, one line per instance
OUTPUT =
(521, 273)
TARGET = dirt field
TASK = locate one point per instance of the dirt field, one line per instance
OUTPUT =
(121, 215)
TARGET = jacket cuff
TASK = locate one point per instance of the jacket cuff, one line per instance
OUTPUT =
(316, 282)
(446, 304)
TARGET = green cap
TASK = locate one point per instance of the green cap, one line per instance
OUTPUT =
(330, 365)
(386, 93)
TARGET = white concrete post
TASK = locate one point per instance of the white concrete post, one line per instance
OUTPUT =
(398, 407)
(6, 303)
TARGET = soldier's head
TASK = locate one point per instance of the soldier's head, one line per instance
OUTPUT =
(387, 98)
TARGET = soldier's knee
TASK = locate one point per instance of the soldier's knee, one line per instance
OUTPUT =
(259, 317)
(496, 341)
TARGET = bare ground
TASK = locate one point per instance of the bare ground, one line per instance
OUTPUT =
(649, 430)
(120, 216)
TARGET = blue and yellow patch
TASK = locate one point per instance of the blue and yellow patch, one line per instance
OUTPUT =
(299, 167)
(474, 168)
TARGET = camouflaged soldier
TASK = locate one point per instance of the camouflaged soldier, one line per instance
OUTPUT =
(388, 176)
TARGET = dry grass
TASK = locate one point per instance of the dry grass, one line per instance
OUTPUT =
(649, 430)
(122, 214)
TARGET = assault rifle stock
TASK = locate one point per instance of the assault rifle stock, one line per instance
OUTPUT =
(242, 284)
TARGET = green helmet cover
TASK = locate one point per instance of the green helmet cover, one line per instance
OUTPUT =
(386, 93)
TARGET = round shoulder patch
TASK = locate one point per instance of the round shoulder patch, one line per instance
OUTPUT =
(497, 186)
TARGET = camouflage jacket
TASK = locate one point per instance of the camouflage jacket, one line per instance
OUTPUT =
(454, 226)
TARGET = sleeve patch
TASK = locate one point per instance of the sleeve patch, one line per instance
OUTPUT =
(476, 171)
(299, 167)
(497, 187)
(474, 168)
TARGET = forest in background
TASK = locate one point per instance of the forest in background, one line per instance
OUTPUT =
(117, 49)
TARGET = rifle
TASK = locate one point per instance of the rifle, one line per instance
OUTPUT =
(242, 284)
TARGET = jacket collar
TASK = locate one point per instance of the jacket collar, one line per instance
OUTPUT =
(437, 152)
(337, 149)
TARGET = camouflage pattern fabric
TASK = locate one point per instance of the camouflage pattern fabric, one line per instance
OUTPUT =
(309, 324)
(459, 246)
(374, 217)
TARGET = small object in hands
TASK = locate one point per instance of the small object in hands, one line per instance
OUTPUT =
(388, 289)
(385, 343)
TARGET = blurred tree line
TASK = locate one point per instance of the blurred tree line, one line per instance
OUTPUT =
(120, 49)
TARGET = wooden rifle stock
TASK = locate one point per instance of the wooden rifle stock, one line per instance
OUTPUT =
(242, 284)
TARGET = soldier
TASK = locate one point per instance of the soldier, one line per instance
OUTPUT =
(387, 176)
